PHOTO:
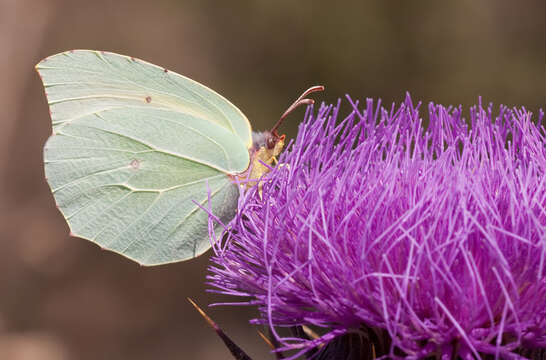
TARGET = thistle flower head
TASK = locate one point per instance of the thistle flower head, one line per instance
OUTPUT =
(430, 229)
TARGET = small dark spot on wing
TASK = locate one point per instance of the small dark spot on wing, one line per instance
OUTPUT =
(148, 99)
(135, 164)
(165, 70)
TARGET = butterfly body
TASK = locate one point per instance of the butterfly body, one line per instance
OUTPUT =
(266, 148)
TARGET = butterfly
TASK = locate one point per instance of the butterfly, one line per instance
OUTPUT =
(137, 151)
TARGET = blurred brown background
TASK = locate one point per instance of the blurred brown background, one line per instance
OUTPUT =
(63, 298)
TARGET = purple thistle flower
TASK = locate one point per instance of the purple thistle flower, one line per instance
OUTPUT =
(434, 235)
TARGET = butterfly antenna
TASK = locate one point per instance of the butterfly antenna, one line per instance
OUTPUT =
(300, 101)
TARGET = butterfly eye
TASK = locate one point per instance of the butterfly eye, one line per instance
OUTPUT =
(270, 142)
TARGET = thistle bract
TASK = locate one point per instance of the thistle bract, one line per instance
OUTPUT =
(429, 227)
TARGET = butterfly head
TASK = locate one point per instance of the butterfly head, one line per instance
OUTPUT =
(267, 145)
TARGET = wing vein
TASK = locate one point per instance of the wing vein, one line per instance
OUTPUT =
(139, 85)
(153, 225)
(152, 147)
(104, 171)
(157, 91)
(157, 249)
(203, 135)
(134, 221)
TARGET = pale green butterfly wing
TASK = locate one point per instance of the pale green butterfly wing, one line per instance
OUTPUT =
(133, 147)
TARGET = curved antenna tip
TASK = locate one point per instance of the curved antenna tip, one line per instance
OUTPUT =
(301, 100)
